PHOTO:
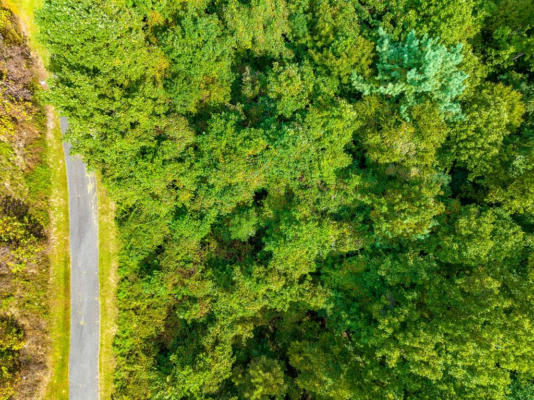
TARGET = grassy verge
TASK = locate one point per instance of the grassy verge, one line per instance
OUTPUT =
(58, 387)
(108, 247)
(59, 283)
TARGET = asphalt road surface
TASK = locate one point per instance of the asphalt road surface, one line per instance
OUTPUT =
(85, 309)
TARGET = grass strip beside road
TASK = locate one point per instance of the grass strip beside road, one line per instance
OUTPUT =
(108, 249)
(58, 384)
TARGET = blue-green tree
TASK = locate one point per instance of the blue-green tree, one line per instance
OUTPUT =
(416, 70)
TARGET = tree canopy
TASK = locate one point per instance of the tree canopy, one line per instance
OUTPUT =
(317, 199)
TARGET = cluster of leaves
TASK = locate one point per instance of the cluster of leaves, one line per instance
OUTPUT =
(313, 202)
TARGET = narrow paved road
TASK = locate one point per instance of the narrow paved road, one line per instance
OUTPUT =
(85, 311)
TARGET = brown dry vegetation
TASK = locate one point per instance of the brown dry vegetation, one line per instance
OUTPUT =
(24, 176)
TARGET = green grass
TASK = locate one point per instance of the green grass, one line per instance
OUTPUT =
(108, 247)
(58, 387)
(38, 180)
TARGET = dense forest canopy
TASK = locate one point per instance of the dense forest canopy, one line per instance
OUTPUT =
(317, 199)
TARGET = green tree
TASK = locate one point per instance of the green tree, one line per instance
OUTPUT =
(263, 380)
(494, 114)
(415, 70)
(199, 74)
